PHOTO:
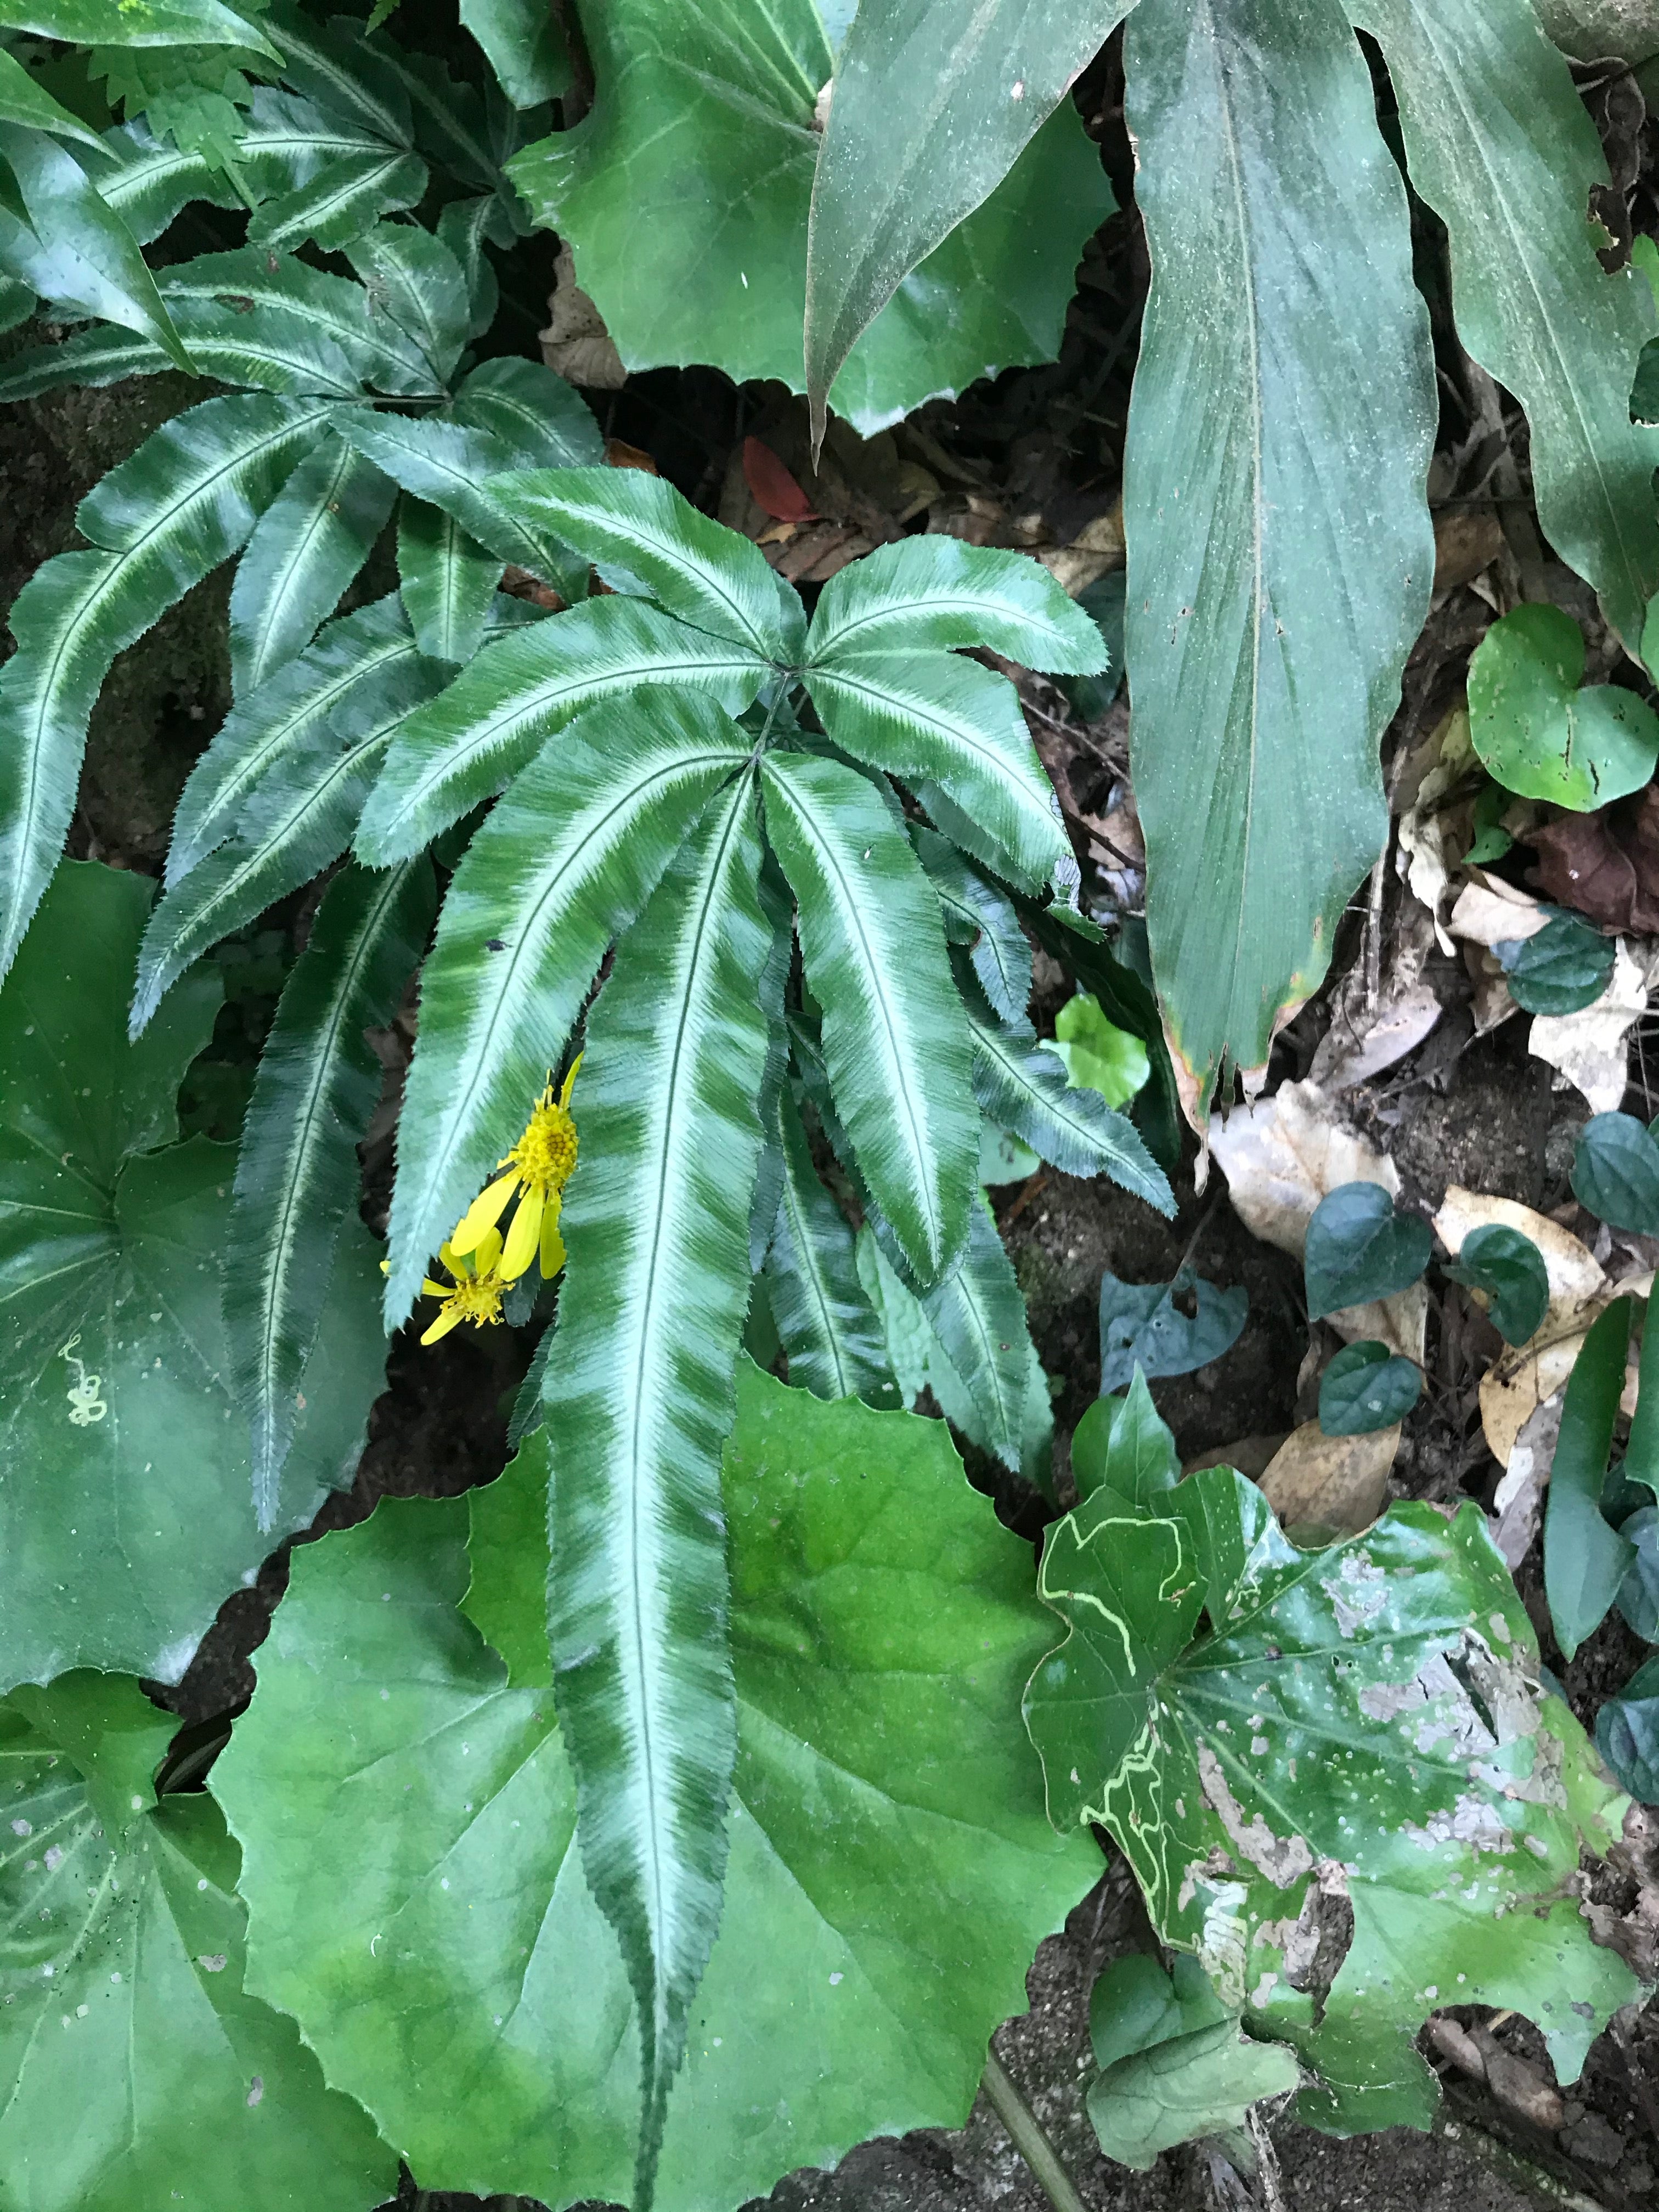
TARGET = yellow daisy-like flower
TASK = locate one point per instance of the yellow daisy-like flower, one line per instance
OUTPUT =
(539, 1167)
(476, 1293)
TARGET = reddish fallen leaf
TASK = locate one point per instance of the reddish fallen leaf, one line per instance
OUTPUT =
(1605, 865)
(774, 487)
(619, 454)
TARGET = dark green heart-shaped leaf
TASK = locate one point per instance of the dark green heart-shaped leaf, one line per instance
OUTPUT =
(1565, 967)
(1638, 1593)
(1359, 1248)
(127, 1505)
(1584, 1560)
(1538, 733)
(1615, 1173)
(1510, 1268)
(1147, 1325)
(138, 2070)
(1367, 1723)
(1365, 1388)
(1627, 1734)
(406, 1819)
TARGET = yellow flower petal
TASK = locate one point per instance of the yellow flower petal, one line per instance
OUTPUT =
(485, 1211)
(564, 1095)
(450, 1258)
(522, 1237)
(431, 1289)
(446, 1320)
(487, 1255)
(552, 1243)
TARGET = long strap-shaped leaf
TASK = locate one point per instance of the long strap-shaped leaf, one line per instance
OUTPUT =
(1022, 1086)
(825, 1321)
(936, 591)
(1285, 392)
(341, 202)
(638, 1399)
(446, 579)
(1499, 145)
(273, 348)
(698, 570)
(183, 502)
(978, 1314)
(533, 415)
(978, 915)
(565, 861)
(296, 1173)
(933, 717)
(306, 547)
(296, 820)
(342, 675)
(895, 1037)
(497, 713)
(934, 104)
(255, 284)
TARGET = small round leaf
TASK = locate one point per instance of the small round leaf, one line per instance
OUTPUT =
(1508, 1268)
(1615, 1173)
(1359, 1248)
(1365, 1388)
(1564, 969)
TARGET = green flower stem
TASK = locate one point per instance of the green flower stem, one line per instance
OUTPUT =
(1026, 2134)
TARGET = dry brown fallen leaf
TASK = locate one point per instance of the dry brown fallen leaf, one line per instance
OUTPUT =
(1525, 1376)
(1488, 911)
(1335, 1484)
(1364, 1039)
(1605, 865)
(576, 343)
(1518, 1501)
(1280, 1158)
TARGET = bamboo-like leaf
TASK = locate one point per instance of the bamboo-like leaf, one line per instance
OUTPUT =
(182, 503)
(306, 547)
(536, 418)
(932, 717)
(895, 1037)
(296, 1173)
(24, 99)
(1021, 1086)
(936, 591)
(693, 566)
(1500, 146)
(298, 816)
(447, 463)
(827, 1327)
(978, 1317)
(345, 674)
(73, 247)
(341, 202)
(977, 916)
(638, 1398)
(565, 862)
(498, 712)
(418, 281)
(1272, 606)
(446, 579)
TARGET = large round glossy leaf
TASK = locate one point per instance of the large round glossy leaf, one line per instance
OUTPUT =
(136, 2070)
(126, 1509)
(406, 1818)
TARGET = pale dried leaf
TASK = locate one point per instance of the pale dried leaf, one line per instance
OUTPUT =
(1578, 1287)
(1518, 1501)
(1592, 1047)
(1339, 1484)
(576, 345)
(1491, 912)
(1280, 1159)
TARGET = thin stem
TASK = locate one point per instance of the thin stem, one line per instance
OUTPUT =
(1025, 2133)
